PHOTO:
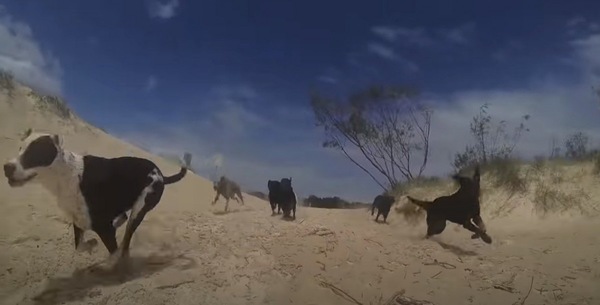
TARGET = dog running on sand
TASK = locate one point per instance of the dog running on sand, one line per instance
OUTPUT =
(383, 204)
(92, 191)
(228, 189)
(462, 207)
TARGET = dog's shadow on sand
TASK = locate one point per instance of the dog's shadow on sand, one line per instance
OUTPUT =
(79, 284)
(381, 222)
(223, 212)
(456, 249)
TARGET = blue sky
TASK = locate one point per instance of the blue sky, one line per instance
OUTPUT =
(229, 80)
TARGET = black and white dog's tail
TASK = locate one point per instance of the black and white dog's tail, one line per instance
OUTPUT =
(187, 159)
(176, 177)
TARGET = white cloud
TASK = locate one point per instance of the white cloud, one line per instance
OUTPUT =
(234, 119)
(241, 92)
(382, 51)
(420, 37)
(458, 35)
(416, 36)
(162, 9)
(22, 55)
(587, 51)
(388, 53)
(327, 79)
(151, 83)
(575, 21)
(578, 26)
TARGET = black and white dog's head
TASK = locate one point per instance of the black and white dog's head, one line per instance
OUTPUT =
(38, 151)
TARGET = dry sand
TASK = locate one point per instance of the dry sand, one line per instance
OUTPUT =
(189, 252)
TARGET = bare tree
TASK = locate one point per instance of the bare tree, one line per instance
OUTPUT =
(576, 145)
(492, 141)
(386, 124)
(554, 149)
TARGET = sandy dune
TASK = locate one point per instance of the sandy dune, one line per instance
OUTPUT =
(188, 252)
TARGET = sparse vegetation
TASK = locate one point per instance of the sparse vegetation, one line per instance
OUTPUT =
(596, 160)
(402, 188)
(53, 104)
(548, 199)
(7, 82)
(539, 162)
(576, 146)
(493, 150)
(506, 174)
(492, 141)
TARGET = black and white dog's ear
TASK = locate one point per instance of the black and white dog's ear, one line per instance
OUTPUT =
(26, 134)
(57, 140)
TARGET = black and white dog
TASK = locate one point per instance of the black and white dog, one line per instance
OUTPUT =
(92, 191)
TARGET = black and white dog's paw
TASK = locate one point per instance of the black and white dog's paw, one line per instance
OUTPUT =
(486, 238)
(120, 220)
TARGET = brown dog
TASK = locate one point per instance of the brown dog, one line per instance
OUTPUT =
(460, 207)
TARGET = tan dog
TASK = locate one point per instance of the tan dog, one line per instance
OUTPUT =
(228, 189)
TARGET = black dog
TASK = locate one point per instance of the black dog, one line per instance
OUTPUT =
(281, 193)
(462, 207)
(383, 204)
(289, 199)
(95, 193)
(274, 187)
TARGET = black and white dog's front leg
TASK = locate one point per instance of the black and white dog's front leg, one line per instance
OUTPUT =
(120, 220)
(479, 223)
(478, 232)
(146, 202)
(80, 244)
